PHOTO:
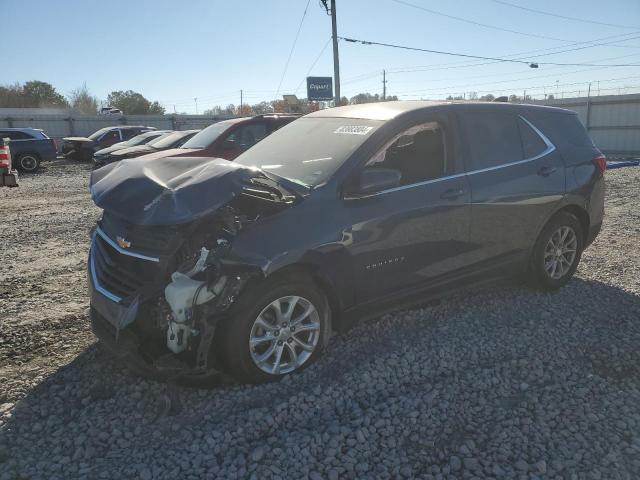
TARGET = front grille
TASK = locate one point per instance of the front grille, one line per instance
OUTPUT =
(121, 274)
(154, 241)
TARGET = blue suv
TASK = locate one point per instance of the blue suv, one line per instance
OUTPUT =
(200, 264)
(29, 147)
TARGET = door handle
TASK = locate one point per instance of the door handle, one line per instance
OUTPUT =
(452, 194)
(546, 171)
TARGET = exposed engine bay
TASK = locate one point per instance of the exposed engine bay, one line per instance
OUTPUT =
(174, 282)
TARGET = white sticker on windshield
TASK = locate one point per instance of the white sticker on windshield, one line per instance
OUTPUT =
(353, 129)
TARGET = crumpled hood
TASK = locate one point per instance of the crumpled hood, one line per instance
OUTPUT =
(167, 191)
(77, 139)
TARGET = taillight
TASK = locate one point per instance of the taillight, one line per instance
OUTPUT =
(600, 162)
(5, 157)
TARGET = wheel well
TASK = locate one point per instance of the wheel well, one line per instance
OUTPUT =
(582, 216)
(33, 154)
(311, 271)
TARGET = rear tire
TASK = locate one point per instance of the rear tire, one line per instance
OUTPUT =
(28, 162)
(259, 344)
(556, 254)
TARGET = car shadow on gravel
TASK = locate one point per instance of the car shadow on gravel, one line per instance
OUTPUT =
(599, 343)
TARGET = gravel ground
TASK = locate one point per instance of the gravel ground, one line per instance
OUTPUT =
(505, 382)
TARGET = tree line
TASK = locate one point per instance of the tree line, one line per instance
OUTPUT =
(37, 94)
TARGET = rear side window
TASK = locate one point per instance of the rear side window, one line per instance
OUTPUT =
(128, 133)
(16, 135)
(494, 139)
(532, 144)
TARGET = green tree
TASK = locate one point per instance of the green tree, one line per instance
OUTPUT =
(133, 103)
(42, 94)
(82, 100)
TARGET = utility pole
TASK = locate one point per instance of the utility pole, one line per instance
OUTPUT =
(196, 100)
(336, 61)
(384, 84)
(240, 101)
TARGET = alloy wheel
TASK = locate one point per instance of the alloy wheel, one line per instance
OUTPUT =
(284, 335)
(560, 252)
(28, 163)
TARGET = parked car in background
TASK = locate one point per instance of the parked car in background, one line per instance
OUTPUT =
(29, 147)
(229, 138)
(164, 142)
(8, 176)
(247, 266)
(83, 148)
(110, 111)
(141, 139)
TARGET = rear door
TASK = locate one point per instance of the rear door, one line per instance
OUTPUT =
(517, 178)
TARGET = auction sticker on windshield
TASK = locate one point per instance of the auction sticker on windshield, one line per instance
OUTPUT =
(353, 129)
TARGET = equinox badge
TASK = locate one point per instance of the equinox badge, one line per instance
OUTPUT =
(123, 242)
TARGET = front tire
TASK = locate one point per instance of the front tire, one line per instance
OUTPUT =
(279, 327)
(557, 252)
(28, 162)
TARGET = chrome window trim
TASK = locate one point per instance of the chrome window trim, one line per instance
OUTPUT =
(550, 148)
(96, 284)
(121, 250)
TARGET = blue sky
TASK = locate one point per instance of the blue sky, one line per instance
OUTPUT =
(174, 51)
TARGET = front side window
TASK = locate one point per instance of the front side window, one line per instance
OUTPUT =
(112, 136)
(494, 139)
(247, 136)
(419, 154)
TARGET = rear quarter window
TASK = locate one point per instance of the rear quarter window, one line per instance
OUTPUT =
(564, 128)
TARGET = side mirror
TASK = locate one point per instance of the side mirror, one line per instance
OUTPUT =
(374, 180)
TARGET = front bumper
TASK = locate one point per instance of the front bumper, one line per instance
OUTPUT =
(113, 321)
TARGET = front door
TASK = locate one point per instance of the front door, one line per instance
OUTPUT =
(404, 236)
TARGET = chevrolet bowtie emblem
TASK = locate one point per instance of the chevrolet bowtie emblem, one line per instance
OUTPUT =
(124, 243)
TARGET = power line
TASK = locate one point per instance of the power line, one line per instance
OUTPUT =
(575, 19)
(464, 65)
(295, 41)
(478, 24)
(470, 86)
(454, 65)
(495, 59)
(313, 64)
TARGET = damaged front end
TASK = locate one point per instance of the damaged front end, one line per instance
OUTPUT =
(161, 268)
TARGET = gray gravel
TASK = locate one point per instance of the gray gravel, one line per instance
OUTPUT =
(505, 382)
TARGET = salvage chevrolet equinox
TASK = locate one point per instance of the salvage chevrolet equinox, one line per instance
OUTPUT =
(201, 265)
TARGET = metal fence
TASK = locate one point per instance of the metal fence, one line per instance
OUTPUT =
(58, 126)
(613, 121)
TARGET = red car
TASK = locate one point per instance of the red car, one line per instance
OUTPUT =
(229, 138)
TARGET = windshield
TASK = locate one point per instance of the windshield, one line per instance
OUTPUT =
(309, 150)
(167, 141)
(207, 136)
(96, 135)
